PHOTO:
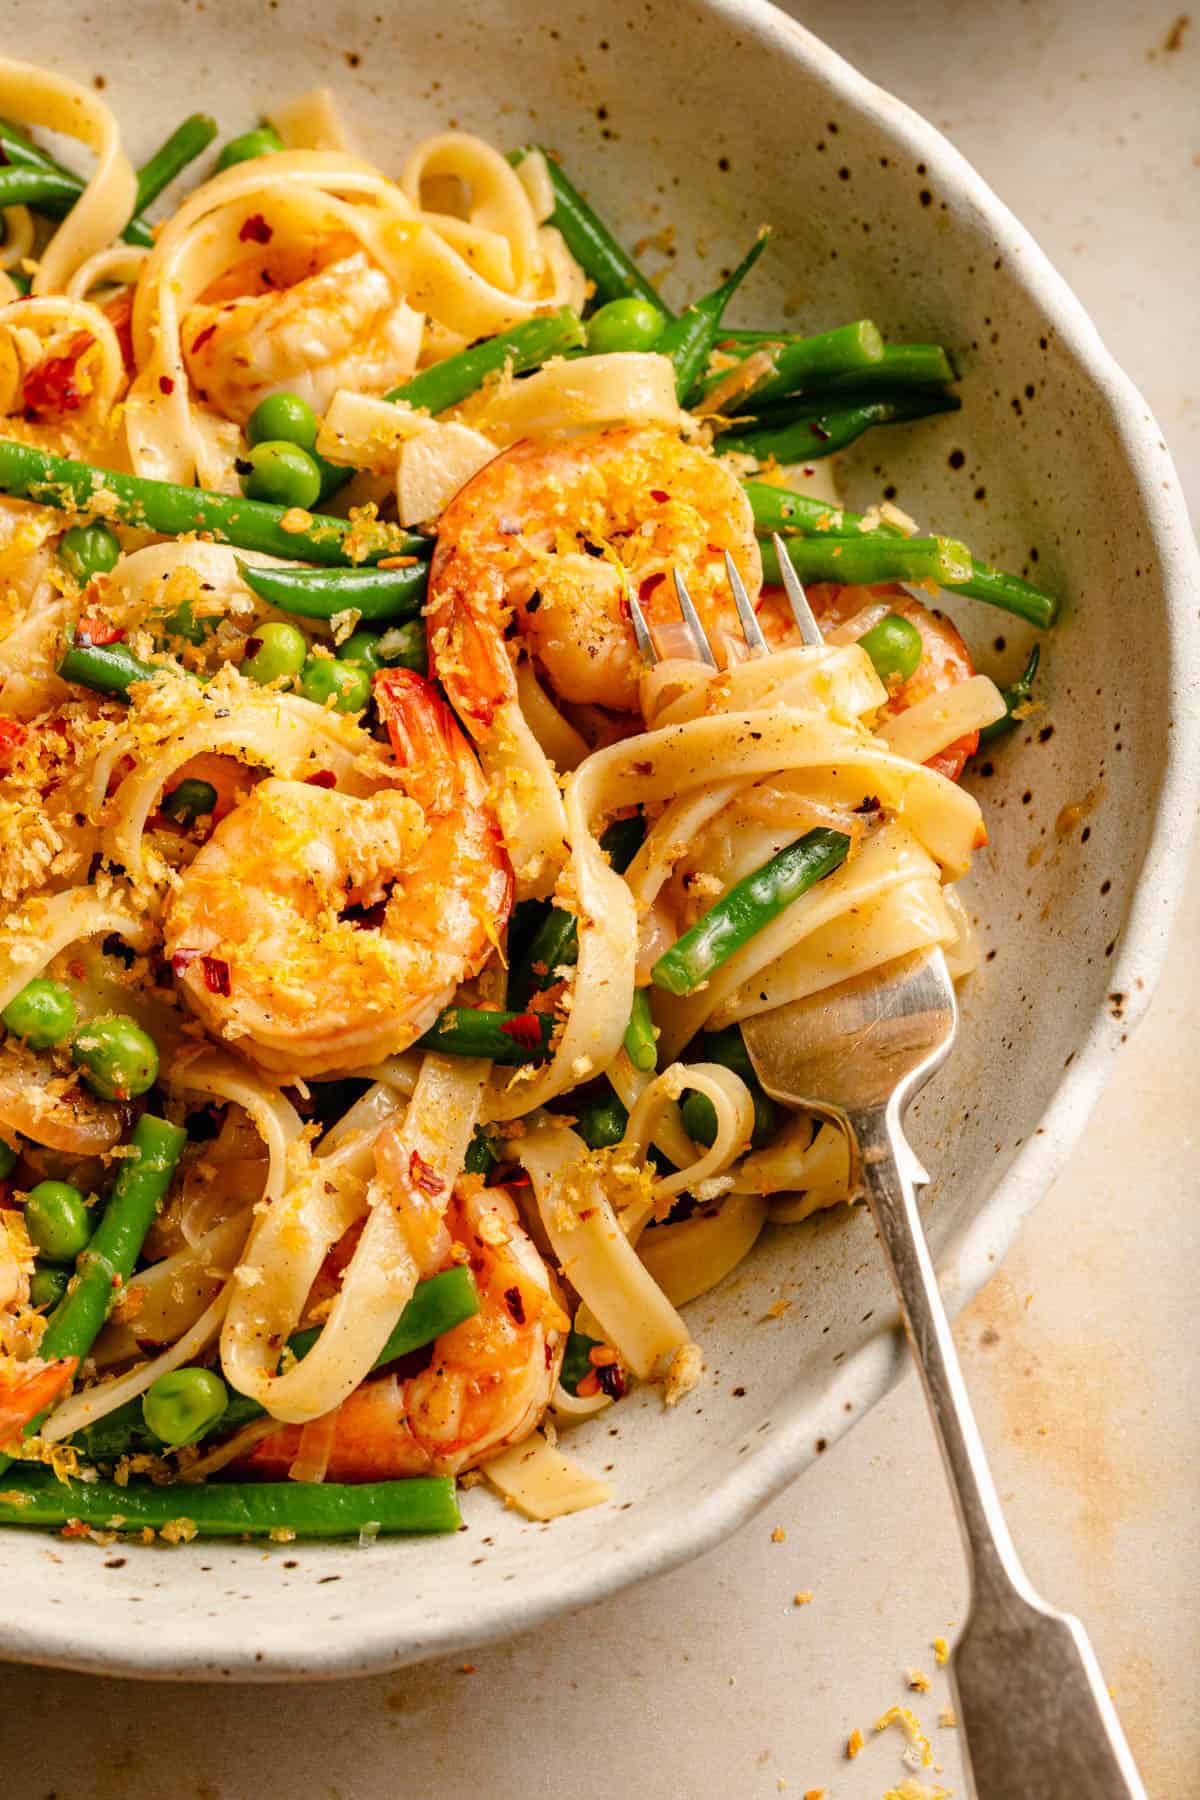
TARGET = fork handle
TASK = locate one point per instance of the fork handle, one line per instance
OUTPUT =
(1037, 1719)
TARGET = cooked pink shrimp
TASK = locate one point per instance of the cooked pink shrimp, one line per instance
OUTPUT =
(344, 326)
(257, 929)
(488, 1382)
(555, 534)
(27, 1388)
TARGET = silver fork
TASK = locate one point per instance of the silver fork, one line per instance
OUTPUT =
(1037, 1719)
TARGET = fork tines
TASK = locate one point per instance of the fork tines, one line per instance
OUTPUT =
(752, 631)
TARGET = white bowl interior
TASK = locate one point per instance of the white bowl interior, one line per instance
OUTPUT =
(715, 121)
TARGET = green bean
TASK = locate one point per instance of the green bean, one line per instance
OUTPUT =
(320, 593)
(260, 140)
(524, 347)
(920, 365)
(185, 144)
(819, 428)
(748, 906)
(106, 1265)
(689, 339)
(871, 559)
(554, 944)
(29, 186)
(775, 509)
(1019, 694)
(437, 1305)
(613, 273)
(503, 1037)
(641, 1046)
(803, 362)
(173, 511)
(305, 1509)
(107, 668)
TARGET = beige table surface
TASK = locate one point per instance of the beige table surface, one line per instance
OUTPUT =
(1081, 1354)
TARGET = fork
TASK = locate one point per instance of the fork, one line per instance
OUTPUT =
(1037, 1719)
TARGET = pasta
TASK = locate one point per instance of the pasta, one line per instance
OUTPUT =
(380, 912)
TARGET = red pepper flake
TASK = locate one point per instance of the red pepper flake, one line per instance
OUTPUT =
(324, 778)
(202, 337)
(12, 734)
(75, 1528)
(422, 1176)
(50, 386)
(182, 960)
(95, 630)
(870, 804)
(256, 230)
(660, 495)
(524, 1030)
(515, 1302)
(216, 975)
(610, 1378)
(647, 587)
(166, 384)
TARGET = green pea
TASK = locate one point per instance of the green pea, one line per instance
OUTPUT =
(189, 801)
(88, 550)
(262, 141)
(43, 1013)
(602, 1122)
(117, 1059)
(277, 652)
(283, 418)
(348, 683)
(47, 1287)
(182, 1405)
(624, 325)
(404, 646)
(333, 476)
(57, 1220)
(700, 1117)
(727, 1047)
(282, 474)
(362, 647)
(8, 1159)
(894, 646)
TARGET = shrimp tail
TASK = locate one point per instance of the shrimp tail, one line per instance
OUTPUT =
(28, 1389)
(469, 650)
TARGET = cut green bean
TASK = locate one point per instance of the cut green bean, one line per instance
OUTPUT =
(303, 1509)
(748, 906)
(25, 185)
(510, 1038)
(107, 668)
(174, 511)
(799, 363)
(321, 593)
(919, 365)
(641, 1046)
(1018, 695)
(555, 944)
(775, 509)
(105, 1266)
(819, 429)
(872, 559)
(526, 346)
(689, 339)
(437, 1305)
(185, 144)
(613, 273)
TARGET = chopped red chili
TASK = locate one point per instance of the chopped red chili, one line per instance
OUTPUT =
(216, 976)
(322, 778)
(202, 337)
(611, 1378)
(166, 384)
(182, 960)
(50, 385)
(422, 1176)
(659, 494)
(647, 587)
(95, 630)
(523, 1030)
(255, 230)
(515, 1302)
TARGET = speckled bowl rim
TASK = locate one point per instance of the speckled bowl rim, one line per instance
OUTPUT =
(975, 1252)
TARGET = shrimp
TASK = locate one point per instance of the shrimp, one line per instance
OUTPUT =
(27, 1389)
(321, 931)
(554, 534)
(487, 1384)
(344, 326)
(38, 1103)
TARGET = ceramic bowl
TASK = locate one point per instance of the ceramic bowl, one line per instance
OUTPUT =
(708, 118)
